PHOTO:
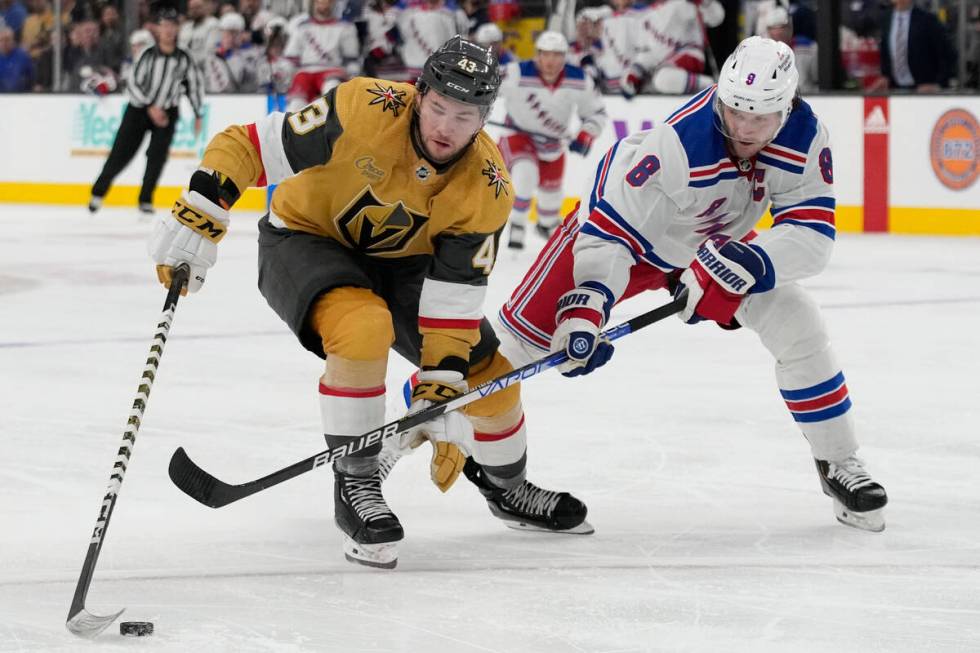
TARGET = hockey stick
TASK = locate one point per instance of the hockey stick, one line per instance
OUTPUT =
(205, 488)
(495, 123)
(80, 621)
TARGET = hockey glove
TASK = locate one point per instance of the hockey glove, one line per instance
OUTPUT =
(451, 434)
(581, 314)
(631, 82)
(190, 234)
(582, 143)
(723, 272)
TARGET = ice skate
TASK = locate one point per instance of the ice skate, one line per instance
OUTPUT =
(370, 529)
(515, 237)
(545, 230)
(528, 507)
(858, 500)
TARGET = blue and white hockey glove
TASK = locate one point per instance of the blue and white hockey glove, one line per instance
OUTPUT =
(723, 272)
(581, 314)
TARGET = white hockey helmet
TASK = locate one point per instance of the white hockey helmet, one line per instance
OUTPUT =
(551, 41)
(488, 33)
(232, 22)
(141, 38)
(759, 77)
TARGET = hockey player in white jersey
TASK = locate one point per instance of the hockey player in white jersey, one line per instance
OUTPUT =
(674, 207)
(617, 48)
(423, 26)
(325, 52)
(540, 96)
(232, 66)
(668, 40)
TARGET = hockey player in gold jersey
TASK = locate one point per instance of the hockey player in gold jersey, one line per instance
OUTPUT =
(382, 233)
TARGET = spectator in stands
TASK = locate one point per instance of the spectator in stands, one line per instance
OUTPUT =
(972, 54)
(13, 14)
(84, 57)
(111, 37)
(39, 21)
(916, 52)
(16, 67)
(199, 34)
(779, 27)
(255, 18)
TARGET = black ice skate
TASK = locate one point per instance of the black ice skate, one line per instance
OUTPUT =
(515, 237)
(545, 231)
(528, 507)
(370, 528)
(858, 500)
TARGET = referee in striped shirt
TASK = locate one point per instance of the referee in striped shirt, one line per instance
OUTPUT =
(158, 78)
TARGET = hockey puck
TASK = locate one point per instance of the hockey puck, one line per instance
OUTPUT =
(136, 628)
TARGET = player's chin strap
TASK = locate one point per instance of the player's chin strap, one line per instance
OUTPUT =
(205, 488)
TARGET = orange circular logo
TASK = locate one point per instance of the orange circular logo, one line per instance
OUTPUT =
(954, 148)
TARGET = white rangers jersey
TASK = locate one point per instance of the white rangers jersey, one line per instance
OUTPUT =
(200, 39)
(423, 28)
(617, 46)
(317, 45)
(545, 110)
(233, 71)
(658, 194)
(672, 33)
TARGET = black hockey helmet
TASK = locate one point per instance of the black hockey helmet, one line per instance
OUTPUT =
(463, 71)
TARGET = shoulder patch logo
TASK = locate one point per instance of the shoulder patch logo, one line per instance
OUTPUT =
(497, 179)
(389, 98)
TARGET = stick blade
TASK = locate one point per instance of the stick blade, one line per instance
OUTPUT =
(195, 482)
(85, 624)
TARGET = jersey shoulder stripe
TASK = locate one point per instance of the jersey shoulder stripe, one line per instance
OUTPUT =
(799, 131)
(691, 124)
(601, 173)
(574, 73)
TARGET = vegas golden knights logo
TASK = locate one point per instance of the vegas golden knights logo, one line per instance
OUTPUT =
(374, 227)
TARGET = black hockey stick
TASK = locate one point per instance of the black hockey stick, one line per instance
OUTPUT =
(205, 488)
(80, 621)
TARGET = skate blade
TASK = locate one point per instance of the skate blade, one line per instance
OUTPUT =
(871, 520)
(380, 556)
(585, 528)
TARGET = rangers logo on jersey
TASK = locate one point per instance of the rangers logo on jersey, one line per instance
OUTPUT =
(387, 97)
(372, 226)
(497, 179)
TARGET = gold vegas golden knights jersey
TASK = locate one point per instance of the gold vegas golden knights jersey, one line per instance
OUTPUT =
(349, 167)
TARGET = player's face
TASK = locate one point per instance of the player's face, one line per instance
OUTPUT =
(446, 125)
(749, 132)
(549, 65)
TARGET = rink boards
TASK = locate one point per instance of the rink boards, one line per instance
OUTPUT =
(901, 164)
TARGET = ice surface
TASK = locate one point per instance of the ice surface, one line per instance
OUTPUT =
(711, 530)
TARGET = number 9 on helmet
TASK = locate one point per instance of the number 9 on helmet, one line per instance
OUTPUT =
(759, 77)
